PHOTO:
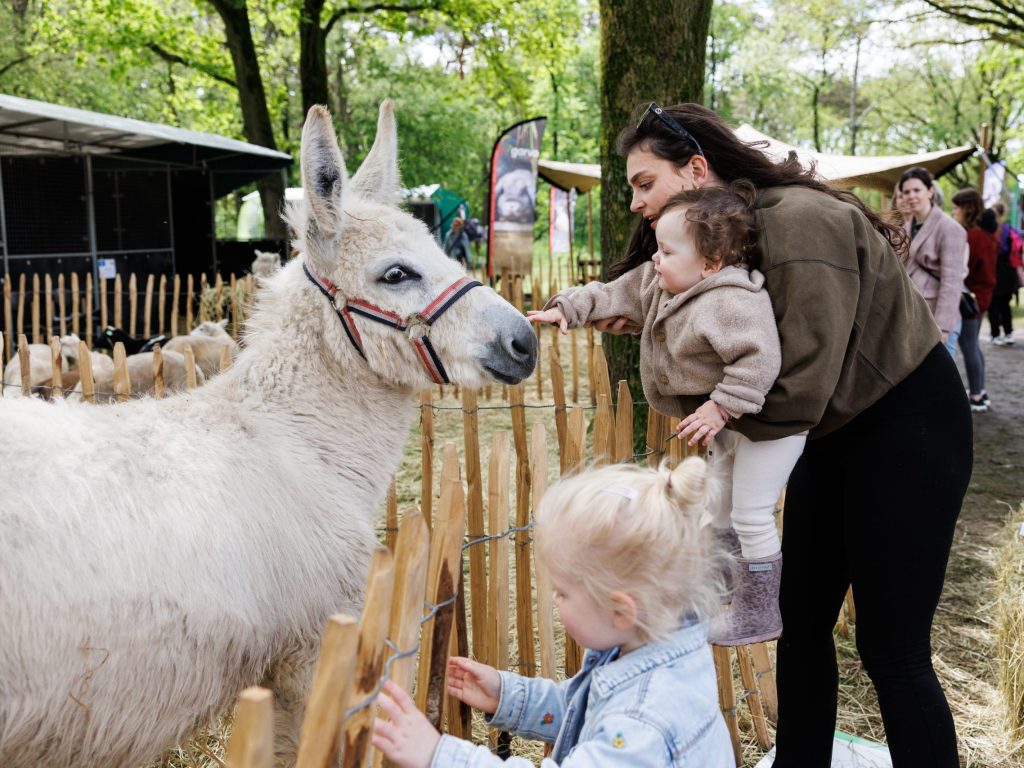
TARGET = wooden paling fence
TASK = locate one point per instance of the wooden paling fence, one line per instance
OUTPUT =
(41, 306)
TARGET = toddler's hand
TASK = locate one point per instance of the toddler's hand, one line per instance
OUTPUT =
(706, 422)
(407, 738)
(474, 683)
(553, 316)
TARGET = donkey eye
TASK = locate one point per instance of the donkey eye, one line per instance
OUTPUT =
(395, 275)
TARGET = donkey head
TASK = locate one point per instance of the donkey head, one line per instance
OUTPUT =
(386, 272)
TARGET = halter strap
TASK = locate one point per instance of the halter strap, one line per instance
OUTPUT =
(416, 326)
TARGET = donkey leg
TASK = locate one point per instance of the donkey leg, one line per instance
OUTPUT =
(290, 677)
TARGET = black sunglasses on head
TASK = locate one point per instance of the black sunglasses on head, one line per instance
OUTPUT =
(671, 122)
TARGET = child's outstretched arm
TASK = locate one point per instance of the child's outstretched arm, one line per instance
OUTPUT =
(622, 298)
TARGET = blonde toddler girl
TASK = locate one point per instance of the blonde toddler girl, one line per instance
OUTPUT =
(633, 564)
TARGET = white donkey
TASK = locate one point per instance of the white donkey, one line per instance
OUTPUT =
(157, 557)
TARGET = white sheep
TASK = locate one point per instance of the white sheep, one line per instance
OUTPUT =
(158, 556)
(41, 366)
(265, 264)
(208, 341)
(141, 379)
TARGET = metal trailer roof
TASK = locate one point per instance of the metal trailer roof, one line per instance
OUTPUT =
(29, 127)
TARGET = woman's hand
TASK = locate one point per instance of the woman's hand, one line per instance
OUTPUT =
(616, 325)
(406, 738)
(474, 683)
(553, 316)
(706, 422)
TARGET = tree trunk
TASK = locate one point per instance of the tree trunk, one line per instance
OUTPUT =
(253, 101)
(312, 55)
(650, 50)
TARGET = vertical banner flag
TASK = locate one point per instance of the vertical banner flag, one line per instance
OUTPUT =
(561, 220)
(992, 187)
(513, 197)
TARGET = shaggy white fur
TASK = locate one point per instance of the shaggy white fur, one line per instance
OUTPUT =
(156, 557)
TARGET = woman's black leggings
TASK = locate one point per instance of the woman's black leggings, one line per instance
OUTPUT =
(874, 504)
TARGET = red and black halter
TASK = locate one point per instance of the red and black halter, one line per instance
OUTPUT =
(416, 326)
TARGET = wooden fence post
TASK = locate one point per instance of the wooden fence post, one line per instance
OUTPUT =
(133, 305)
(175, 299)
(524, 587)
(76, 325)
(118, 302)
(158, 372)
(391, 515)
(190, 288)
(539, 372)
(161, 304)
(36, 336)
(545, 608)
(191, 379)
(318, 741)
(727, 698)
(25, 365)
(252, 736)
(590, 364)
(427, 456)
(624, 424)
(475, 523)
(56, 369)
(62, 320)
(147, 307)
(85, 373)
(48, 306)
(575, 365)
(558, 392)
(89, 329)
(20, 304)
(371, 652)
(498, 589)
(8, 317)
(604, 431)
(443, 574)
(122, 386)
(573, 460)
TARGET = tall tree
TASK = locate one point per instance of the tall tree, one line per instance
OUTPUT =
(650, 50)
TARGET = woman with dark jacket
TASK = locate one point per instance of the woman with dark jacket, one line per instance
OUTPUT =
(969, 212)
(873, 500)
(937, 258)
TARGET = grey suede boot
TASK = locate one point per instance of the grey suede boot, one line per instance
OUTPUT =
(754, 614)
(728, 540)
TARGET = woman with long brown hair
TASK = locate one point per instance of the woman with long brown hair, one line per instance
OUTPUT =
(874, 499)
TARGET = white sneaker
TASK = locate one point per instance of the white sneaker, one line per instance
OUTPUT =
(1008, 340)
(999, 341)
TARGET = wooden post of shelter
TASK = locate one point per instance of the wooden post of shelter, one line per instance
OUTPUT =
(984, 139)
(56, 369)
(371, 652)
(427, 456)
(252, 737)
(475, 523)
(85, 373)
(318, 740)
(443, 573)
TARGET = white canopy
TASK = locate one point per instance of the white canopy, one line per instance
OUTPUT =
(875, 172)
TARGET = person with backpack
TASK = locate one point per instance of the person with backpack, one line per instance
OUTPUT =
(1009, 264)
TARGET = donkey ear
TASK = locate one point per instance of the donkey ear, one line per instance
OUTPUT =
(323, 171)
(377, 177)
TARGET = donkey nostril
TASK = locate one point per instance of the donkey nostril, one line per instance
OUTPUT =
(520, 346)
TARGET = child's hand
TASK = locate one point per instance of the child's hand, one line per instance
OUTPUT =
(406, 738)
(553, 316)
(474, 683)
(706, 422)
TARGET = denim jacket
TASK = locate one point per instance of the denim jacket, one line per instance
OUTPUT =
(656, 706)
